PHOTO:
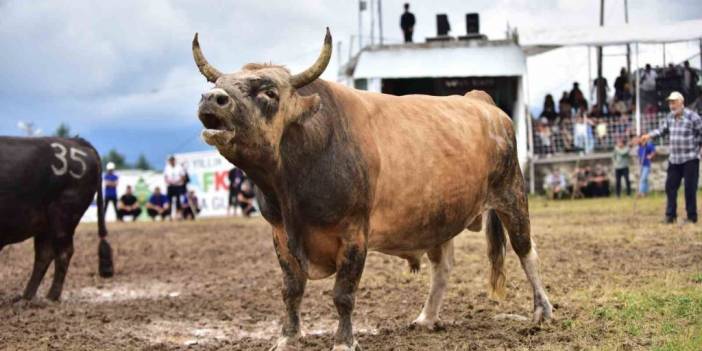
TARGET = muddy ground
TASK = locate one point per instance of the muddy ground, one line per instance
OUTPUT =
(214, 284)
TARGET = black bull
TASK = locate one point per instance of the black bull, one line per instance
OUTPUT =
(46, 185)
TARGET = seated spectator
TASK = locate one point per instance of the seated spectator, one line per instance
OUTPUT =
(580, 177)
(128, 206)
(555, 185)
(598, 182)
(158, 205)
(189, 205)
(246, 198)
(549, 111)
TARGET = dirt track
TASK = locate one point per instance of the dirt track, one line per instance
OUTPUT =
(214, 284)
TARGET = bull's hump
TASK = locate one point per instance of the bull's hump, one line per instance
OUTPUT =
(480, 95)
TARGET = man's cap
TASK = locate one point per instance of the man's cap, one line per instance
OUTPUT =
(675, 96)
(110, 166)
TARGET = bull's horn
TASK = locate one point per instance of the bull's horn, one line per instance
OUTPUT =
(208, 71)
(308, 76)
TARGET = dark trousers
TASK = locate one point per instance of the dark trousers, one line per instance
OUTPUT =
(153, 214)
(619, 174)
(113, 200)
(408, 35)
(188, 212)
(134, 213)
(689, 171)
(175, 191)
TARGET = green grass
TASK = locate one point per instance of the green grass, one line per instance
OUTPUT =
(670, 319)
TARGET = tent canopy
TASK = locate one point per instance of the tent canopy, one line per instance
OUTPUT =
(538, 41)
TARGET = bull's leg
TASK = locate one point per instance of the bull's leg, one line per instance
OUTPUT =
(441, 258)
(294, 281)
(63, 253)
(43, 255)
(515, 217)
(351, 258)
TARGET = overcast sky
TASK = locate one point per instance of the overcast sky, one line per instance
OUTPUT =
(121, 72)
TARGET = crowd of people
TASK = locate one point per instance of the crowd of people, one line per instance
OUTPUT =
(574, 125)
(588, 181)
(178, 201)
(158, 205)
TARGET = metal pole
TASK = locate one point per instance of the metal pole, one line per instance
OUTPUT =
(628, 46)
(700, 53)
(372, 22)
(589, 70)
(663, 55)
(638, 93)
(380, 20)
(600, 87)
(360, 25)
(339, 52)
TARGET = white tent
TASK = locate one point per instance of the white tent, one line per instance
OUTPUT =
(537, 41)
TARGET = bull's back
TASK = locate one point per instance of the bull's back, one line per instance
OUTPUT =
(34, 174)
(436, 156)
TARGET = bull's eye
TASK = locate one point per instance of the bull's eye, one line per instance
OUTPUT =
(271, 94)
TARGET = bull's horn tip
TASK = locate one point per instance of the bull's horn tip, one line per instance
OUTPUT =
(327, 37)
(195, 41)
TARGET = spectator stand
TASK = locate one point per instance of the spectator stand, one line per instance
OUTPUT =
(544, 145)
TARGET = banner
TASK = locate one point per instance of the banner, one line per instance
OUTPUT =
(209, 178)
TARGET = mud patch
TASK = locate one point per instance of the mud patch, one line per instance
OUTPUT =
(122, 292)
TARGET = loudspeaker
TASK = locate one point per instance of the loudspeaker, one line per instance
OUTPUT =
(472, 23)
(442, 24)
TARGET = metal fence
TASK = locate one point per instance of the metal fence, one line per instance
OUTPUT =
(588, 135)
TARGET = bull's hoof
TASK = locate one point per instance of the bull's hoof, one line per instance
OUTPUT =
(543, 312)
(342, 347)
(285, 343)
(433, 325)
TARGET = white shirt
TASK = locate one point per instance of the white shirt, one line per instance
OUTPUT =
(173, 174)
(648, 80)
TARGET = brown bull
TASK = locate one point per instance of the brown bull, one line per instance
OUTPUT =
(341, 171)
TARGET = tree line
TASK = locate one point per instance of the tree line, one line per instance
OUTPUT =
(113, 155)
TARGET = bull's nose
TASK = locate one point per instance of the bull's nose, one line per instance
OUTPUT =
(217, 96)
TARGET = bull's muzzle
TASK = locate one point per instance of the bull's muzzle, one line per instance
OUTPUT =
(214, 106)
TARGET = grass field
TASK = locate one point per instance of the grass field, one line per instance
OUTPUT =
(618, 278)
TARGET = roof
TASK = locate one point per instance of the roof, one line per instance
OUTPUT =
(536, 41)
(442, 59)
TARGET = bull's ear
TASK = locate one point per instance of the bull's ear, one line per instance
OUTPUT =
(307, 106)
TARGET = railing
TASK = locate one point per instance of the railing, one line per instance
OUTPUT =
(564, 136)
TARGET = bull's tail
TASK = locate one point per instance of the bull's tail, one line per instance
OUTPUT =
(105, 264)
(497, 243)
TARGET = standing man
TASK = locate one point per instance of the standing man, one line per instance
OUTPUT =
(648, 86)
(174, 175)
(236, 177)
(685, 129)
(690, 79)
(111, 180)
(407, 22)
(620, 161)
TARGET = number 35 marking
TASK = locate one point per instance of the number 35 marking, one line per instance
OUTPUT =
(75, 155)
